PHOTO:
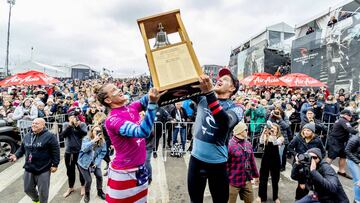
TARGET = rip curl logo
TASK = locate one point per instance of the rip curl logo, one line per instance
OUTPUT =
(210, 123)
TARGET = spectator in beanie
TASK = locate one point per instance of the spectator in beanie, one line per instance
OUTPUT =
(241, 166)
(304, 141)
(352, 151)
(320, 128)
(326, 184)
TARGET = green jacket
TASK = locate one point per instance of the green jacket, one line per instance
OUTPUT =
(257, 118)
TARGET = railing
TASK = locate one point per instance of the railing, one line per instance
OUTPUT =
(52, 123)
(166, 130)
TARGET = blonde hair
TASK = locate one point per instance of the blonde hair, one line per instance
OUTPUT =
(303, 135)
(99, 117)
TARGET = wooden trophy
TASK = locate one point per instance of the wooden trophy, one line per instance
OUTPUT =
(173, 67)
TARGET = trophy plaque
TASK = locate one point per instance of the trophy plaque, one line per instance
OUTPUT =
(173, 67)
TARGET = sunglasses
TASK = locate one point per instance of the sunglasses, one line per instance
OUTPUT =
(314, 157)
(312, 101)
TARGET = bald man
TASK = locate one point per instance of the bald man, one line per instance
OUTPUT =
(42, 156)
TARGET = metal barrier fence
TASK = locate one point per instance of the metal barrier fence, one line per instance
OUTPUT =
(53, 123)
(253, 135)
(166, 131)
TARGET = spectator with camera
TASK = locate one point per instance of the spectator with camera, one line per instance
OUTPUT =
(59, 107)
(338, 138)
(278, 117)
(73, 133)
(352, 151)
(241, 165)
(320, 176)
(304, 141)
(271, 161)
(257, 115)
(93, 150)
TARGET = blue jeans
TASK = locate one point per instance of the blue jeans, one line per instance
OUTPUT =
(308, 199)
(182, 136)
(148, 163)
(355, 172)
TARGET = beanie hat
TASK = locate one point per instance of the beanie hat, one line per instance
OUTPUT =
(346, 112)
(316, 151)
(239, 128)
(310, 126)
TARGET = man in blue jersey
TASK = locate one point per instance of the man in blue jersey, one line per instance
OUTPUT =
(216, 117)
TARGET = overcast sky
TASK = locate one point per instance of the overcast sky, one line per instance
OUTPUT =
(105, 33)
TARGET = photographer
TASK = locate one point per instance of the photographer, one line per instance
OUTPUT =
(304, 141)
(320, 176)
(59, 107)
(93, 150)
(74, 131)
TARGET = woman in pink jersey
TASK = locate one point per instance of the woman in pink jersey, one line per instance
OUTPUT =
(128, 177)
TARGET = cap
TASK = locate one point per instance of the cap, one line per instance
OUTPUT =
(346, 112)
(225, 71)
(316, 151)
(239, 128)
(310, 126)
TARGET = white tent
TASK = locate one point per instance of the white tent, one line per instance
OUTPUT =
(45, 68)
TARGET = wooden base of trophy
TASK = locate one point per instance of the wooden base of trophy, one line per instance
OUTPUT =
(174, 67)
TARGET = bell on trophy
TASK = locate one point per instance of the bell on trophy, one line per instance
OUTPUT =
(161, 39)
(173, 67)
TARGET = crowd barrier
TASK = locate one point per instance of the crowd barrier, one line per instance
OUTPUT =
(253, 136)
(165, 130)
(52, 123)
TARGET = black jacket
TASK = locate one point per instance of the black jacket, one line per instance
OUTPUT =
(352, 149)
(182, 115)
(73, 137)
(41, 151)
(299, 146)
(342, 129)
(162, 116)
(326, 183)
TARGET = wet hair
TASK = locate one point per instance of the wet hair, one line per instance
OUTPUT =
(101, 95)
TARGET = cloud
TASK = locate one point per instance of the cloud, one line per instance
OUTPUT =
(105, 33)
